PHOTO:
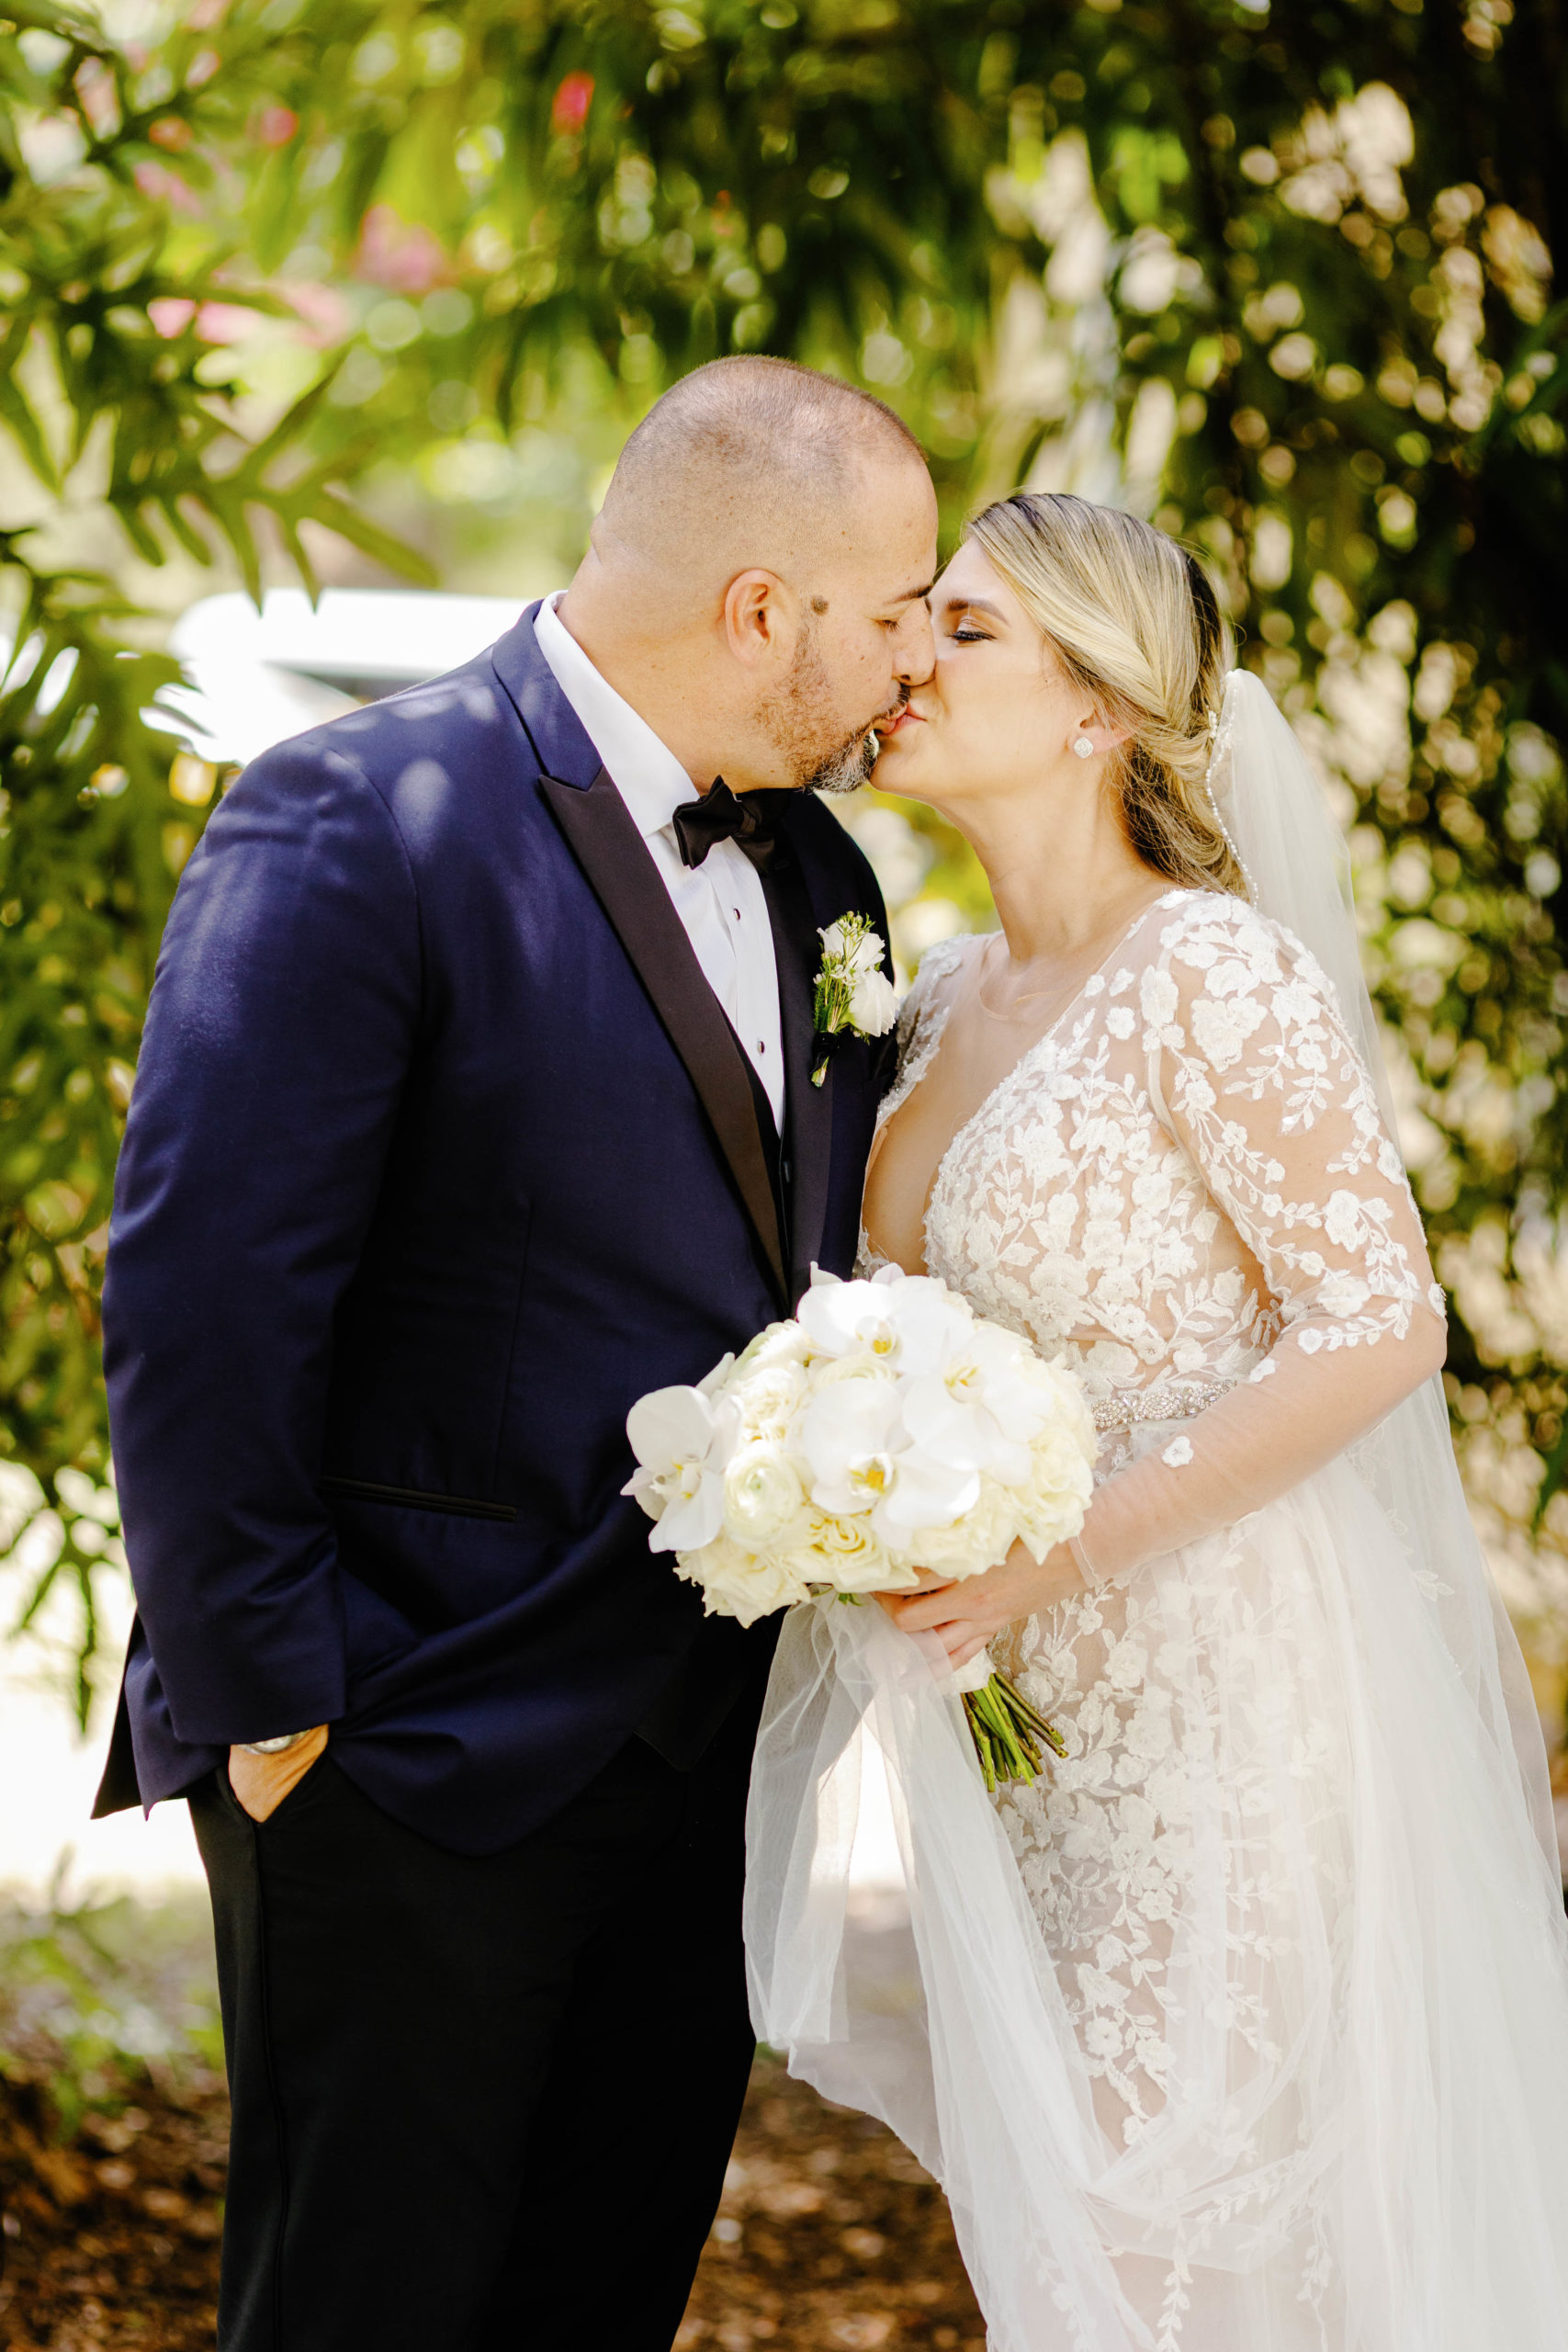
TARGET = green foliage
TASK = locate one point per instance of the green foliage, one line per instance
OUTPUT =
(98, 1997)
(1291, 267)
(107, 400)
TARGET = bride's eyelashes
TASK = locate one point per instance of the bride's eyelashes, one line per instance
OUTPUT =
(967, 635)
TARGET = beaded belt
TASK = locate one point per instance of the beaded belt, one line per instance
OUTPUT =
(1168, 1400)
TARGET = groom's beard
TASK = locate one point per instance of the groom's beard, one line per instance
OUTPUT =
(850, 766)
(800, 719)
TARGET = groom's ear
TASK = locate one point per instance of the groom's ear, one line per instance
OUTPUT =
(759, 620)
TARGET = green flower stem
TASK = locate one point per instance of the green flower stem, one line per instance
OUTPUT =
(1007, 1731)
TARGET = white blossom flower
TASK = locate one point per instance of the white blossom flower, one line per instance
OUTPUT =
(858, 1452)
(681, 1441)
(874, 1005)
(1177, 1453)
(762, 1495)
(854, 947)
(912, 1323)
(741, 1584)
(981, 1410)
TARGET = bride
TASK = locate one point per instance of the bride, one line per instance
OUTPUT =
(1244, 2029)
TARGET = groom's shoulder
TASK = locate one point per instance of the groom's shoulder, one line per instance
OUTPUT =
(458, 723)
(437, 760)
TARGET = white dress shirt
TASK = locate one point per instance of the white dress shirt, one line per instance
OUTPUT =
(720, 902)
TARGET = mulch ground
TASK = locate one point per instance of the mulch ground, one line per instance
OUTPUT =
(829, 2235)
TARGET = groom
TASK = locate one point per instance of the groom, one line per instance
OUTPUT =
(476, 1101)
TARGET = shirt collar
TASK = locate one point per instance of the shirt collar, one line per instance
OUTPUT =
(645, 772)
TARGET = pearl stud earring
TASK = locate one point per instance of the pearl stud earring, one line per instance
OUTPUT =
(1084, 747)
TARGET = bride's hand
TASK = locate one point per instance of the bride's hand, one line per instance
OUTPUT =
(964, 1617)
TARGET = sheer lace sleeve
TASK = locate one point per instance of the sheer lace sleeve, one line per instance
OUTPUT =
(922, 1016)
(1250, 1069)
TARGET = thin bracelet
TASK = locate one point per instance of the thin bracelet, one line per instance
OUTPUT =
(278, 1746)
(1086, 1567)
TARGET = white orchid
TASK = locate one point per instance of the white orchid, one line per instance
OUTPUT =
(982, 1410)
(912, 1323)
(884, 1432)
(681, 1440)
(858, 1452)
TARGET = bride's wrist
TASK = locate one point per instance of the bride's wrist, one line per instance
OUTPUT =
(1061, 1576)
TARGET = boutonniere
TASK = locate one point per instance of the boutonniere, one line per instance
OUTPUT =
(854, 996)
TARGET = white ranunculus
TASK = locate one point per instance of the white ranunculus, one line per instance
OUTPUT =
(681, 1440)
(874, 1005)
(765, 1403)
(779, 1344)
(762, 1495)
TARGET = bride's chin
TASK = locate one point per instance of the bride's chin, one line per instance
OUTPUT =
(896, 771)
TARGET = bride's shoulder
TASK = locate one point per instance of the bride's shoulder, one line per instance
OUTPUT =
(1210, 944)
(935, 983)
(1191, 924)
(944, 961)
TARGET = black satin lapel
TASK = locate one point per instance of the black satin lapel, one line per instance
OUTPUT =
(610, 850)
(809, 1109)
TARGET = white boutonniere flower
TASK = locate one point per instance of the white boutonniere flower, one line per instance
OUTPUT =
(854, 996)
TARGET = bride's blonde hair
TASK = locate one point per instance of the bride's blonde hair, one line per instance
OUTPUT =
(1134, 621)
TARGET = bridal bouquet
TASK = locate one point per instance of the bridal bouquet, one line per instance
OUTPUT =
(885, 1430)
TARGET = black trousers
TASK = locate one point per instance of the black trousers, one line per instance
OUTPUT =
(479, 2105)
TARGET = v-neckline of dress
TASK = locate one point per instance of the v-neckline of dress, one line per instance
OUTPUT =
(1045, 1038)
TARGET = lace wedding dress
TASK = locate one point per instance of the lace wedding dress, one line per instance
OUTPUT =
(1264, 2048)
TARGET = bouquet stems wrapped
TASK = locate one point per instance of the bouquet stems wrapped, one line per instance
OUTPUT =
(1007, 1730)
(883, 1434)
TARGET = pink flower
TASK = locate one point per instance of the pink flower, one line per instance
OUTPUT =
(568, 110)
(394, 253)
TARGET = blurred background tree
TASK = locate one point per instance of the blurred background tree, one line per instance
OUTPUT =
(1282, 279)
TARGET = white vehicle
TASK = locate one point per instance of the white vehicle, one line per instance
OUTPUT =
(258, 677)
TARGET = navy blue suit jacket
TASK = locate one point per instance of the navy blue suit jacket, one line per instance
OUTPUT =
(441, 1152)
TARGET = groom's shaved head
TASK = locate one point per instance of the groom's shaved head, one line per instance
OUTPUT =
(755, 582)
(749, 461)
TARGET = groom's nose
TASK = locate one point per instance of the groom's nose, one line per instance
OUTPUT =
(914, 652)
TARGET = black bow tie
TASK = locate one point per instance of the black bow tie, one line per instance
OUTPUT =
(719, 816)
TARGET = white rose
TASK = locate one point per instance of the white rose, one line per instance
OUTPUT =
(761, 1496)
(981, 1539)
(856, 950)
(846, 1554)
(739, 1584)
(873, 1004)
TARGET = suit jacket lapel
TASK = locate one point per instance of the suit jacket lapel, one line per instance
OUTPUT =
(809, 1109)
(601, 832)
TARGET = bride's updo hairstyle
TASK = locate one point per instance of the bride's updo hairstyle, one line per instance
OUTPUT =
(1133, 620)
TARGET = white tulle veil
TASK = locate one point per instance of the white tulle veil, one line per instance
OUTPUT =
(1298, 871)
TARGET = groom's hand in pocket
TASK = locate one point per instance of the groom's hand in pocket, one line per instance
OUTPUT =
(260, 1782)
